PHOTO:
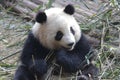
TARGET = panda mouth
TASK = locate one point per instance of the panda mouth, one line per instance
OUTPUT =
(68, 48)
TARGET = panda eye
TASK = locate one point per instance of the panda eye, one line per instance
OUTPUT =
(58, 36)
(72, 31)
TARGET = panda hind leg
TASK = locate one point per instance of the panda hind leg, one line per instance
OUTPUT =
(23, 73)
(90, 72)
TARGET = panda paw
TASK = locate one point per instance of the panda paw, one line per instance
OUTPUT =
(82, 77)
(39, 67)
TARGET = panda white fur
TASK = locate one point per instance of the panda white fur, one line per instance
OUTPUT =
(55, 29)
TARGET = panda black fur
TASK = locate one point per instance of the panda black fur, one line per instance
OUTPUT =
(55, 29)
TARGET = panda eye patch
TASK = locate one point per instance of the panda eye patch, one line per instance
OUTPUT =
(58, 36)
(71, 29)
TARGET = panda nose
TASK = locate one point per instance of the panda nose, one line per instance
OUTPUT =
(71, 44)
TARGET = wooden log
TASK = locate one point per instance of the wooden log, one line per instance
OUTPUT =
(82, 13)
(29, 4)
(40, 2)
(20, 9)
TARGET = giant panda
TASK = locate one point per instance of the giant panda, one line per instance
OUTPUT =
(55, 30)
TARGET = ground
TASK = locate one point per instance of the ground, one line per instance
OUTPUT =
(13, 30)
(105, 27)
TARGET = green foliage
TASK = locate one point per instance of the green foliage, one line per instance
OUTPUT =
(114, 3)
(50, 3)
(37, 9)
(6, 65)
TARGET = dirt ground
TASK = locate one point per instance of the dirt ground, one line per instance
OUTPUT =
(13, 30)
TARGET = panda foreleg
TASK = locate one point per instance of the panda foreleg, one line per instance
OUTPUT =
(39, 67)
(31, 70)
(23, 73)
(69, 62)
(33, 55)
(36, 66)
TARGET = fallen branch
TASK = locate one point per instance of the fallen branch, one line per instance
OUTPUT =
(10, 55)
(20, 9)
(40, 2)
(29, 4)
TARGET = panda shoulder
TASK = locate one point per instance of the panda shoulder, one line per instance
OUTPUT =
(84, 38)
(83, 43)
(32, 41)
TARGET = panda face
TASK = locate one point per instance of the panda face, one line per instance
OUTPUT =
(66, 38)
(60, 30)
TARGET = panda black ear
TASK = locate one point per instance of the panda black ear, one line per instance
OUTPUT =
(69, 9)
(41, 17)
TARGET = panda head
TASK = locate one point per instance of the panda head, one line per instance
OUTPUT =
(57, 28)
